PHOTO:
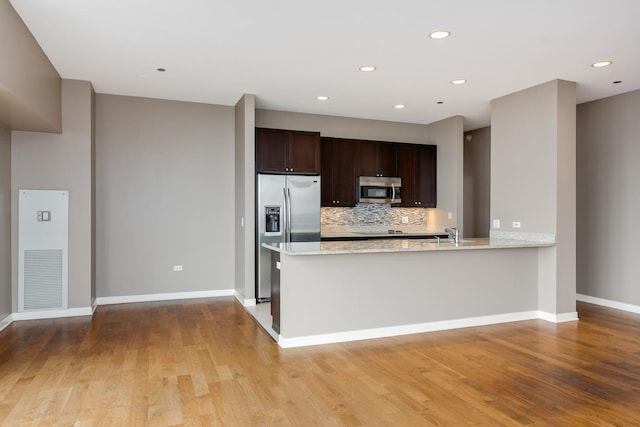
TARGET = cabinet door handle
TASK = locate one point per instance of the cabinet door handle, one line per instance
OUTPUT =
(291, 170)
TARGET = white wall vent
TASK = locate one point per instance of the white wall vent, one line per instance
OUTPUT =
(43, 241)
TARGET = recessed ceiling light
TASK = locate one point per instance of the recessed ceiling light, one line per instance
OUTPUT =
(322, 98)
(439, 34)
(601, 64)
(367, 68)
(458, 81)
(399, 106)
(162, 70)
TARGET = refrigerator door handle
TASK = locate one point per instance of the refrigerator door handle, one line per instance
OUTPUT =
(285, 217)
(288, 214)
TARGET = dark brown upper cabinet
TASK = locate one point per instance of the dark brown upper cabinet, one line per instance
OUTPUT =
(377, 158)
(417, 169)
(287, 151)
(338, 183)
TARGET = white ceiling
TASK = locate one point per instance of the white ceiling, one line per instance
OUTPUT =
(287, 52)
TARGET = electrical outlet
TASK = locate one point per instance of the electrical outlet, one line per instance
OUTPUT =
(405, 220)
(177, 268)
(496, 223)
(450, 215)
(516, 224)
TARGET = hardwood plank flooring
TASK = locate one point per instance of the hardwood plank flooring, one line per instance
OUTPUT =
(207, 362)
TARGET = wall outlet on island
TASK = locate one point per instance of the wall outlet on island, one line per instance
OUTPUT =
(496, 223)
(405, 220)
(177, 268)
(516, 224)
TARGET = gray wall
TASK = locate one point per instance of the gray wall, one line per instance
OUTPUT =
(533, 180)
(608, 198)
(30, 88)
(477, 182)
(5, 223)
(523, 159)
(343, 127)
(61, 162)
(244, 197)
(447, 135)
(165, 196)
(93, 198)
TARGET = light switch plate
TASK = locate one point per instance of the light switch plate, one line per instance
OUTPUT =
(44, 216)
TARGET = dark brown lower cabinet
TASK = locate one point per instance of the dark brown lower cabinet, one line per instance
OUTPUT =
(275, 291)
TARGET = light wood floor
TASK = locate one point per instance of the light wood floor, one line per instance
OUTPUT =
(206, 362)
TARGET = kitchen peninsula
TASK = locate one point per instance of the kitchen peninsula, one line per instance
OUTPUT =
(348, 290)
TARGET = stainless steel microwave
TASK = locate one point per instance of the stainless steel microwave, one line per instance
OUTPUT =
(379, 189)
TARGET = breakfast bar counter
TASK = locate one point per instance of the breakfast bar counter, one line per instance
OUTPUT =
(325, 292)
(400, 245)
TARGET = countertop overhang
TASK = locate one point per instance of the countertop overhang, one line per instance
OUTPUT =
(399, 245)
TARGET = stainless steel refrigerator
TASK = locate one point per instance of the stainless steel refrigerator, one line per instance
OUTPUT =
(288, 210)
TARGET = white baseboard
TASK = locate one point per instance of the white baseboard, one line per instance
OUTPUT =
(423, 327)
(405, 329)
(52, 314)
(88, 311)
(247, 302)
(558, 318)
(609, 303)
(6, 322)
(164, 297)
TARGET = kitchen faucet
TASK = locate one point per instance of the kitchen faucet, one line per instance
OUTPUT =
(454, 234)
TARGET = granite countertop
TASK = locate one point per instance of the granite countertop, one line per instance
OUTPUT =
(399, 245)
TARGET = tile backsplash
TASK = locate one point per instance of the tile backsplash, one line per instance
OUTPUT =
(367, 215)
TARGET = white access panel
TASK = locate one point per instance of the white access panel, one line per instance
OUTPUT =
(43, 246)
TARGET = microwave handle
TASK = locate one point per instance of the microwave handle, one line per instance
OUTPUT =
(393, 193)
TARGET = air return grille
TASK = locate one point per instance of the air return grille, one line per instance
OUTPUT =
(43, 279)
(43, 244)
